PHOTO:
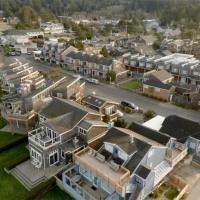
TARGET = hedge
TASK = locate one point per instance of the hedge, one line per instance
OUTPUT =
(3, 122)
(40, 190)
(14, 143)
(13, 163)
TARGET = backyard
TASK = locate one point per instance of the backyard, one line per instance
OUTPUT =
(10, 188)
(131, 85)
(6, 138)
(56, 194)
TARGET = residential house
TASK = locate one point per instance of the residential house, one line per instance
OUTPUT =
(64, 128)
(107, 108)
(122, 164)
(158, 84)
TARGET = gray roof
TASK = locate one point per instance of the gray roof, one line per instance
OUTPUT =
(86, 124)
(90, 58)
(156, 83)
(68, 80)
(142, 171)
(94, 101)
(62, 115)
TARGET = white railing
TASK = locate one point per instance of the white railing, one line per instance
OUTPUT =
(40, 138)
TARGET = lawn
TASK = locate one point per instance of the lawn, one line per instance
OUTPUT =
(10, 188)
(131, 85)
(56, 194)
(7, 138)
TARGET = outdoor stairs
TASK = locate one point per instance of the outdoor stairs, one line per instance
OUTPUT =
(29, 185)
(161, 171)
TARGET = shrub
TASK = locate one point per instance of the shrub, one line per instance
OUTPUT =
(120, 122)
(149, 114)
(111, 76)
(3, 122)
(172, 193)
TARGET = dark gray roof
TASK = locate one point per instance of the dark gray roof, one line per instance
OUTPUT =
(142, 171)
(90, 58)
(85, 124)
(62, 115)
(121, 139)
(57, 107)
(142, 149)
(149, 133)
(180, 128)
(158, 84)
(94, 101)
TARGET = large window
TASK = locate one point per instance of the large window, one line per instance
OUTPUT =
(53, 158)
(81, 131)
(35, 155)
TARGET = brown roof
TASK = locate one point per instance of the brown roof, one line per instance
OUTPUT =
(161, 75)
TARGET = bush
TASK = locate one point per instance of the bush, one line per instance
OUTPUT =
(3, 122)
(13, 163)
(149, 114)
(120, 122)
(172, 193)
(111, 76)
(40, 190)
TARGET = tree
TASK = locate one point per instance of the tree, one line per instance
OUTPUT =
(111, 76)
(104, 52)
(120, 122)
(149, 114)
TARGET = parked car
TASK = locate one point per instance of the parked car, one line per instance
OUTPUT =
(130, 105)
(92, 80)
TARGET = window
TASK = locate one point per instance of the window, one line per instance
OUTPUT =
(36, 155)
(81, 131)
(53, 158)
(63, 154)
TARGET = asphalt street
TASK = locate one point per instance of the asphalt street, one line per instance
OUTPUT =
(117, 94)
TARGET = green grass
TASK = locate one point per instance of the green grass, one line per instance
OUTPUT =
(56, 194)
(131, 85)
(6, 137)
(10, 188)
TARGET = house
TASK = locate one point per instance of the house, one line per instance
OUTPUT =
(184, 131)
(70, 88)
(107, 108)
(26, 88)
(122, 164)
(158, 84)
(52, 28)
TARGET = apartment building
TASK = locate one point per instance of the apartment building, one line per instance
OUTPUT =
(26, 88)
(184, 67)
(52, 28)
(91, 65)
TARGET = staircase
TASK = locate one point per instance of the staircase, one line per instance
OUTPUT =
(161, 171)
(29, 185)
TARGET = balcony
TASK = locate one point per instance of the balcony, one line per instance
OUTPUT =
(176, 154)
(110, 172)
(80, 188)
(41, 139)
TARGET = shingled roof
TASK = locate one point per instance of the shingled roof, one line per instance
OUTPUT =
(180, 128)
(149, 133)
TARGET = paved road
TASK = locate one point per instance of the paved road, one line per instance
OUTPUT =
(118, 94)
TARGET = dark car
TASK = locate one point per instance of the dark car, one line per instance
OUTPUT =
(130, 105)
